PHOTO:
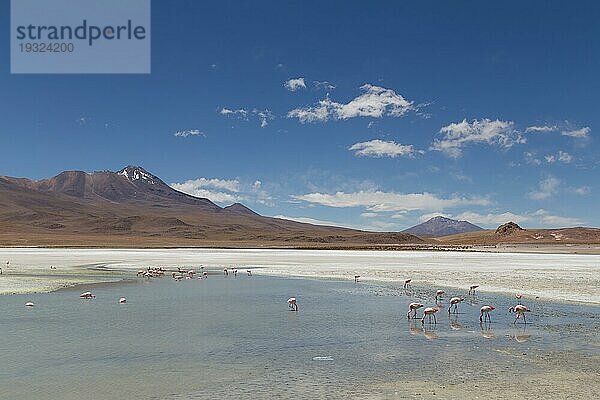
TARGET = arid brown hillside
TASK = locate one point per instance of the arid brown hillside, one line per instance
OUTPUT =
(133, 208)
(511, 233)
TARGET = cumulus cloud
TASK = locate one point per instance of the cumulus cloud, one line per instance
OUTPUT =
(240, 112)
(562, 156)
(379, 148)
(188, 132)
(375, 102)
(577, 133)
(379, 201)
(295, 84)
(546, 189)
(458, 135)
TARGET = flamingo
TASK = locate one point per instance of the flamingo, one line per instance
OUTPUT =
(454, 302)
(292, 304)
(486, 310)
(205, 274)
(87, 295)
(225, 272)
(249, 272)
(122, 300)
(29, 304)
(356, 278)
(407, 283)
(429, 312)
(472, 289)
(520, 310)
(439, 294)
(413, 307)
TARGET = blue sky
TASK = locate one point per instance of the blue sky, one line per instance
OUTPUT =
(364, 115)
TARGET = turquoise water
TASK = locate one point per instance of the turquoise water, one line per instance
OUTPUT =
(235, 338)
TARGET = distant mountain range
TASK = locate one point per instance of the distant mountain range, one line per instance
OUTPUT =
(442, 226)
(135, 208)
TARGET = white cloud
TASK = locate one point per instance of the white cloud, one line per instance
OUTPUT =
(241, 113)
(562, 156)
(380, 148)
(369, 215)
(323, 85)
(231, 185)
(565, 157)
(582, 190)
(544, 218)
(541, 128)
(264, 116)
(540, 217)
(530, 158)
(378, 201)
(546, 188)
(458, 135)
(375, 102)
(295, 84)
(188, 133)
(577, 133)
(313, 221)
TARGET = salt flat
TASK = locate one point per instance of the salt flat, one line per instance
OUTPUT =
(564, 277)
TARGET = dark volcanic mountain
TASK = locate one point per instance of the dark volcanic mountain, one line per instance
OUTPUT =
(133, 207)
(441, 226)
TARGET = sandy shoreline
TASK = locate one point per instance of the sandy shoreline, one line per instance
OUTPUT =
(561, 277)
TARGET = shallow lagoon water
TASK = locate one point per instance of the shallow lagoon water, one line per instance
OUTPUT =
(226, 337)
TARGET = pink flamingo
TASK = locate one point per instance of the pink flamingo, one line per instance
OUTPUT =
(485, 313)
(87, 295)
(413, 307)
(407, 283)
(472, 289)
(454, 302)
(439, 294)
(356, 278)
(520, 310)
(429, 312)
(122, 300)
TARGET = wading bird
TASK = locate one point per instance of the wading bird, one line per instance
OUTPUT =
(122, 300)
(485, 313)
(356, 278)
(520, 310)
(407, 283)
(429, 312)
(472, 289)
(29, 304)
(249, 272)
(87, 295)
(413, 307)
(292, 304)
(454, 302)
(439, 294)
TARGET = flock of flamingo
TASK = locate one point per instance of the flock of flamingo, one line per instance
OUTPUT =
(428, 312)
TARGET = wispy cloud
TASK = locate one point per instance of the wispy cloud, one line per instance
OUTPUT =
(461, 134)
(295, 84)
(189, 132)
(379, 148)
(379, 201)
(562, 157)
(541, 128)
(264, 116)
(577, 133)
(323, 85)
(582, 190)
(375, 102)
(546, 189)
(540, 217)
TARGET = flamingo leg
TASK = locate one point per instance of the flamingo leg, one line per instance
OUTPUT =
(434, 319)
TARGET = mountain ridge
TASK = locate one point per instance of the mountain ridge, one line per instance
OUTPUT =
(442, 226)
